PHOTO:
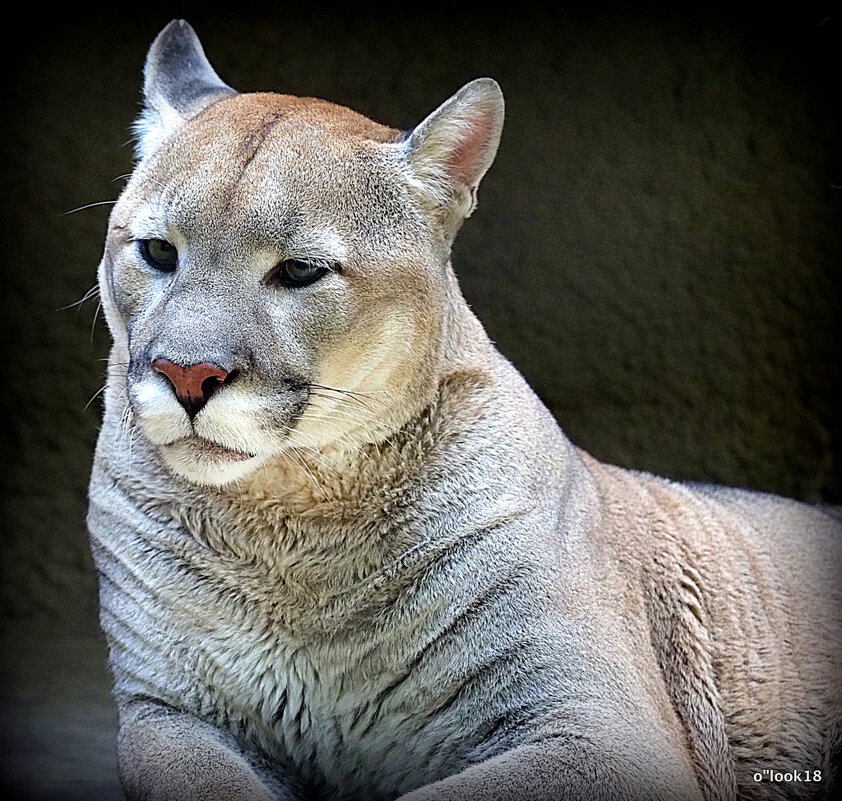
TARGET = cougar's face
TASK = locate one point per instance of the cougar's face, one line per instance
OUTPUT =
(275, 272)
(276, 284)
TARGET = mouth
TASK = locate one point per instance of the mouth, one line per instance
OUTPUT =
(200, 448)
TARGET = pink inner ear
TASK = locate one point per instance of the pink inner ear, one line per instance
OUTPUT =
(466, 160)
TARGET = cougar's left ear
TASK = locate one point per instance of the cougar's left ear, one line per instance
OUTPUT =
(178, 82)
(452, 149)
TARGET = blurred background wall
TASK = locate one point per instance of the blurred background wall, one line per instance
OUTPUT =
(657, 248)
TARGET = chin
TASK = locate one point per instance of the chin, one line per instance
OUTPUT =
(208, 463)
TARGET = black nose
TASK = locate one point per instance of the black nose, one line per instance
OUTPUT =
(194, 384)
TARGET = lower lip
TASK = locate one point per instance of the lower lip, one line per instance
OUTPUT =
(207, 449)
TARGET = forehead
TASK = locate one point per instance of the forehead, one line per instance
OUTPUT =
(267, 165)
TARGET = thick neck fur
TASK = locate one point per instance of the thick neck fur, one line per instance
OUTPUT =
(324, 522)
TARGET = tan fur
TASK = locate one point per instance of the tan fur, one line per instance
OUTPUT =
(392, 575)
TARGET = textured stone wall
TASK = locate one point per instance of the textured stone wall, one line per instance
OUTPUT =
(657, 247)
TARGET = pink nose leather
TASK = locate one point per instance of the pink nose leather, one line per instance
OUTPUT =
(194, 384)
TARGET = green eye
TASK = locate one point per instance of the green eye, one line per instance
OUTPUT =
(296, 273)
(159, 253)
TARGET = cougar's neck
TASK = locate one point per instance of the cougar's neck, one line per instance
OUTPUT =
(481, 450)
(465, 345)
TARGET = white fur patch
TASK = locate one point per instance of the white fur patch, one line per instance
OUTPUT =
(234, 418)
(158, 412)
(214, 472)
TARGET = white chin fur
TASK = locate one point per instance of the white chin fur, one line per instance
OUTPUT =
(212, 470)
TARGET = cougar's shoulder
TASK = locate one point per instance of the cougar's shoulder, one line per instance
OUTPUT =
(740, 595)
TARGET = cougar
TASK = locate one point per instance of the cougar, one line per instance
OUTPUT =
(345, 552)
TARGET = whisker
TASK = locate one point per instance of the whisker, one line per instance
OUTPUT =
(344, 413)
(303, 464)
(96, 314)
(94, 396)
(356, 446)
(316, 454)
(319, 457)
(351, 391)
(94, 290)
(340, 399)
(342, 404)
(302, 434)
(325, 416)
(342, 416)
(319, 454)
(341, 392)
(89, 206)
(147, 178)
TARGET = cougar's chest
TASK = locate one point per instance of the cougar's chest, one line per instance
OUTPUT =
(335, 712)
(332, 701)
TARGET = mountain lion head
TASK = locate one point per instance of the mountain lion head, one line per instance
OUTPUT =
(276, 272)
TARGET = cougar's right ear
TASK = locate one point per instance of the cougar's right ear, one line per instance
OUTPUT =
(451, 150)
(178, 82)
